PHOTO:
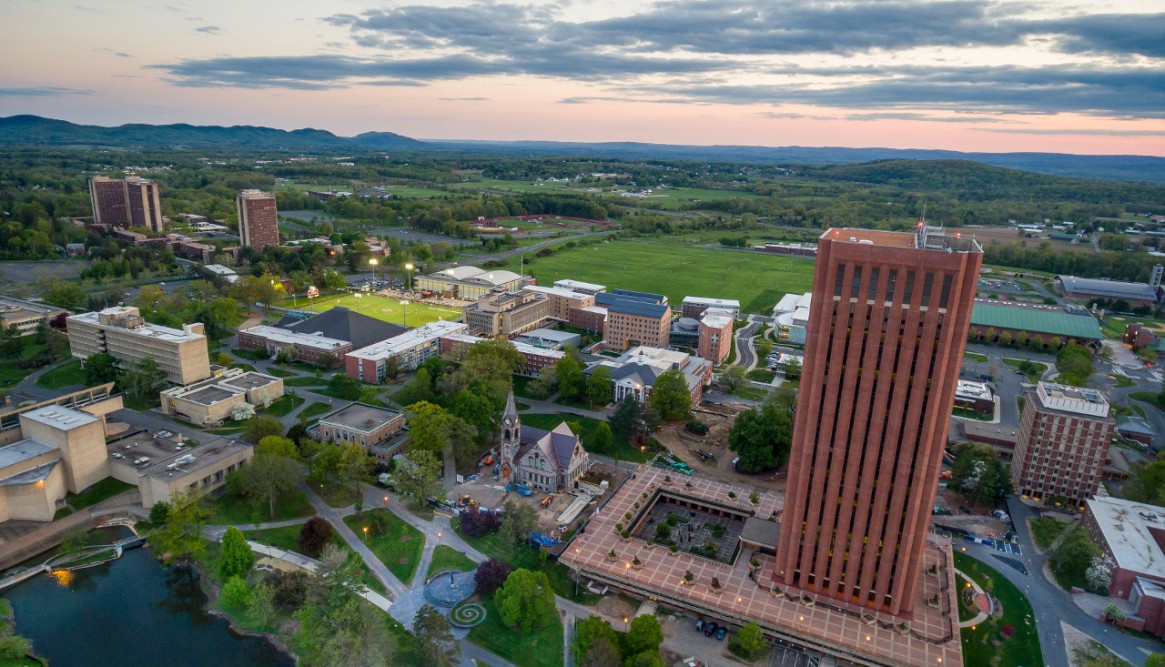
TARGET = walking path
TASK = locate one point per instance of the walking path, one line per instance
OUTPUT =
(981, 616)
(310, 564)
(216, 532)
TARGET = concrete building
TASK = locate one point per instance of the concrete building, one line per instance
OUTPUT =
(550, 339)
(536, 359)
(507, 314)
(1062, 446)
(211, 400)
(634, 373)
(122, 333)
(379, 430)
(128, 202)
(887, 330)
(410, 350)
(470, 282)
(565, 305)
(1133, 535)
(27, 316)
(258, 219)
(309, 348)
(792, 317)
(580, 286)
(715, 335)
(162, 467)
(635, 318)
(975, 396)
(552, 461)
(694, 306)
(1135, 294)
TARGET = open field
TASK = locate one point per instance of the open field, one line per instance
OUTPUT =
(985, 235)
(402, 191)
(757, 281)
(380, 307)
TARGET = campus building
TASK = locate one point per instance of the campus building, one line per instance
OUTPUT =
(792, 317)
(340, 323)
(378, 430)
(535, 359)
(122, 333)
(507, 314)
(634, 372)
(210, 401)
(1132, 534)
(1062, 446)
(128, 202)
(258, 219)
(885, 344)
(714, 341)
(580, 286)
(309, 347)
(1135, 294)
(27, 316)
(635, 318)
(566, 305)
(1007, 322)
(410, 349)
(162, 467)
(975, 396)
(551, 461)
(469, 283)
(694, 306)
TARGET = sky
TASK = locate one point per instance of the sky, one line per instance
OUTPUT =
(971, 75)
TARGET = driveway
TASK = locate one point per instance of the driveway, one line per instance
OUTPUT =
(745, 351)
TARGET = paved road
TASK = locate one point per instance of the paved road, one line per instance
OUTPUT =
(745, 350)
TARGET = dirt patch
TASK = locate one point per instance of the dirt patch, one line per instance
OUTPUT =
(616, 606)
(719, 419)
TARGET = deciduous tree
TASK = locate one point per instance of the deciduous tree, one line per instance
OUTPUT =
(257, 428)
(490, 576)
(316, 534)
(267, 478)
(180, 536)
(670, 396)
(526, 600)
(416, 476)
(435, 637)
(644, 635)
(237, 557)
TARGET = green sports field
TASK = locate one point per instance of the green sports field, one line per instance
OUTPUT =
(380, 307)
(757, 281)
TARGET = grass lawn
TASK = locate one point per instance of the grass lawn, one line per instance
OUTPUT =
(310, 381)
(399, 548)
(1046, 530)
(678, 271)
(975, 356)
(619, 445)
(448, 558)
(281, 373)
(65, 375)
(106, 488)
(235, 509)
(314, 410)
(282, 406)
(753, 393)
(385, 308)
(253, 355)
(527, 557)
(1146, 396)
(971, 414)
(979, 645)
(520, 382)
(1035, 375)
(284, 538)
(761, 375)
(335, 494)
(1123, 381)
(541, 648)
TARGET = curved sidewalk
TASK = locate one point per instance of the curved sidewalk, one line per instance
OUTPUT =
(981, 616)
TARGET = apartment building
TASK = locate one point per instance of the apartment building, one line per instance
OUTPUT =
(258, 219)
(122, 333)
(507, 314)
(1064, 434)
(128, 202)
(565, 305)
(631, 322)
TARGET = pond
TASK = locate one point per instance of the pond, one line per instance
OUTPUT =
(131, 611)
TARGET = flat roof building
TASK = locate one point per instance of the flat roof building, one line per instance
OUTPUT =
(122, 333)
(1062, 446)
(128, 202)
(999, 321)
(1136, 294)
(580, 286)
(162, 467)
(535, 358)
(694, 306)
(379, 430)
(635, 371)
(550, 339)
(258, 219)
(309, 347)
(27, 316)
(410, 350)
(1133, 535)
(714, 341)
(565, 305)
(470, 282)
(635, 318)
(211, 401)
(863, 418)
(507, 314)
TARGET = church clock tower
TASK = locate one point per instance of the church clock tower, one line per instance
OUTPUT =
(511, 440)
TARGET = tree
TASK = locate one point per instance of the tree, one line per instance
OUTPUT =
(257, 428)
(518, 519)
(493, 361)
(391, 368)
(1114, 614)
(670, 396)
(235, 593)
(478, 408)
(1075, 365)
(732, 378)
(627, 419)
(979, 474)
(644, 635)
(1155, 660)
(100, 368)
(277, 445)
(159, 512)
(237, 557)
(1148, 482)
(475, 523)
(64, 293)
(490, 576)
(1099, 574)
(316, 534)
(762, 437)
(526, 600)
(599, 386)
(267, 478)
(180, 536)
(590, 630)
(354, 465)
(416, 476)
(343, 387)
(1072, 558)
(144, 381)
(262, 604)
(75, 540)
(644, 659)
(602, 653)
(602, 439)
(427, 423)
(751, 639)
(338, 629)
(435, 637)
(571, 381)
(242, 412)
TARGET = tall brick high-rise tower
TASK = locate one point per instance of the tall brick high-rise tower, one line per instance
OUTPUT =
(131, 202)
(887, 327)
(258, 219)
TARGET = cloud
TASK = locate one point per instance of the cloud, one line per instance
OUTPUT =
(464, 99)
(209, 29)
(1099, 132)
(907, 115)
(42, 91)
(704, 48)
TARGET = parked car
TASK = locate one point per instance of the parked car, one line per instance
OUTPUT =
(710, 629)
(699, 625)
(721, 633)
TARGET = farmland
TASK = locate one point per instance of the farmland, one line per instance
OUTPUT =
(757, 281)
(380, 307)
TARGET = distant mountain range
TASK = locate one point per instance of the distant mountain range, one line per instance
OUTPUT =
(30, 130)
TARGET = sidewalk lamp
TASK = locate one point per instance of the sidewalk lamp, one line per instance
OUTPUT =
(365, 534)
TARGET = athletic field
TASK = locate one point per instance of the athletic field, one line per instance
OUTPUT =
(380, 307)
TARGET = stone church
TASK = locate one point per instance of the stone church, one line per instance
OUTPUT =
(550, 461)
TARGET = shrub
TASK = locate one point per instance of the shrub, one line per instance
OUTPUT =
(475, 523)
(290, 589)
(696, 427)
(662, 531)
(316, 534)
(235, 593)
(490, 576)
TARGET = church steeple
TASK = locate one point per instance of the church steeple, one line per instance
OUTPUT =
(511, 441)
(510, 415)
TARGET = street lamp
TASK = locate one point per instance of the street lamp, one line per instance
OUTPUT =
(373, 262)
(409, 267)
(365, 534)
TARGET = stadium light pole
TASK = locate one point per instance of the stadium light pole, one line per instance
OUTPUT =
(372, 261)
(409, 267)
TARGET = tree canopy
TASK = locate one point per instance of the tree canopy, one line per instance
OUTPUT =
(670, 396)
